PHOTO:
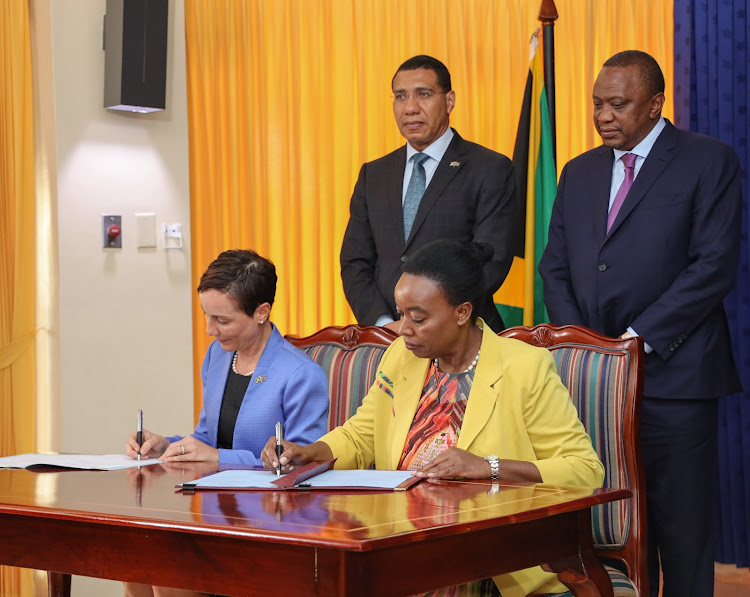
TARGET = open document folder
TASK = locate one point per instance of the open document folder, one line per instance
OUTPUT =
(315, 475)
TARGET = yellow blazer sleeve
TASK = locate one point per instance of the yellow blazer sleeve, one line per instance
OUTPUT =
(564, 454)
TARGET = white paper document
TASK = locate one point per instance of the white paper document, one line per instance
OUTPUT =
(360, 478)
(100, 462)
(237, 479)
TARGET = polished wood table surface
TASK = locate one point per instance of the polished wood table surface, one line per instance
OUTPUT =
(131, 526)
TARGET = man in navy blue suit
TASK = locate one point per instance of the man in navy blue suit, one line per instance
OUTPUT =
(656, 264)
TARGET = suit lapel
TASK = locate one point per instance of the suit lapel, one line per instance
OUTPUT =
(456, 155)
(658, 158)
(483, 394)
(482, 399)
(406, 391)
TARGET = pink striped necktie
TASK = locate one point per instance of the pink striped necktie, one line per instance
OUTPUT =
(628, 161)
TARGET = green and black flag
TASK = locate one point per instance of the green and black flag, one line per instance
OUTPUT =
(534, 162)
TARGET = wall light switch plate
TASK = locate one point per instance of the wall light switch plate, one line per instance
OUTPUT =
(112, 230)
(145, 230)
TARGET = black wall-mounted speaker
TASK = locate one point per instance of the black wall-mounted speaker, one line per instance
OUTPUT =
(135, 55)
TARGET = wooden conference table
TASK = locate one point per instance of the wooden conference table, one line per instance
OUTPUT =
(127, 526)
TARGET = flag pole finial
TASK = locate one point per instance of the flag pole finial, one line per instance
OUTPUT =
(548, 12)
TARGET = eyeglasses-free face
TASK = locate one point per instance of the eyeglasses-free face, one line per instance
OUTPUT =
(624, 110)
(420, 107)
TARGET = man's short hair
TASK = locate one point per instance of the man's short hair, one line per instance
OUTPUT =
(650, 73)
(429, 63)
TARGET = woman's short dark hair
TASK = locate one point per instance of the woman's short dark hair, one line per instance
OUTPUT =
(456, 267)
(246, 277)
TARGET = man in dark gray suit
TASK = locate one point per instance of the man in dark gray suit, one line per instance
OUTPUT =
(460, 190)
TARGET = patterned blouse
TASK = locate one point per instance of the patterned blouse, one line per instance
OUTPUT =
(440, 414)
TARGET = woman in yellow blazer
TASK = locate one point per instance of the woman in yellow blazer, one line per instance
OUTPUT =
(452, 399)
(517, 408)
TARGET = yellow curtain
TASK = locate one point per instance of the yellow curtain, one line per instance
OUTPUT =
(287, 98)
(16, 250)
(16, 232)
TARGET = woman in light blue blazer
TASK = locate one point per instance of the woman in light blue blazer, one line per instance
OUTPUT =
(251, 376)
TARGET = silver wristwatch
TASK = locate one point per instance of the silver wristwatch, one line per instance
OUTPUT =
(494, 467)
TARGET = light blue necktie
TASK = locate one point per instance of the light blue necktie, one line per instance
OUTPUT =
(414, 191)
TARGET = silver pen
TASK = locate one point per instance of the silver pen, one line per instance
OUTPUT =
(279, 448)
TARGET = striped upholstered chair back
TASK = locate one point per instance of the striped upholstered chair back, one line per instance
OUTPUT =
(350, 356)
(605, 379)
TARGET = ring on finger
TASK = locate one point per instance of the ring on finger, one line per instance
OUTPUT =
(183, 449)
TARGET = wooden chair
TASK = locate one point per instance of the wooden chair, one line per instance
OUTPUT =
(350, 356)
(605, 379)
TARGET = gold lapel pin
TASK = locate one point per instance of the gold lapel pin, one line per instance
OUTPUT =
(455, 164)
(260, 379)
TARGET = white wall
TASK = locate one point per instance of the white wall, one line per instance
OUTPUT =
(125, 320)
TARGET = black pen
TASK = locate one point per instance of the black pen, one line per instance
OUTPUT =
(139, 432)
(279, 448)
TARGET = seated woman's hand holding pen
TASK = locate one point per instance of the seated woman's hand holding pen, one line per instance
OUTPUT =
(187, 449)
(153, 445)
(294, 455)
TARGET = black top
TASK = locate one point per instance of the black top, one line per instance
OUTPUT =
(234, 393)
